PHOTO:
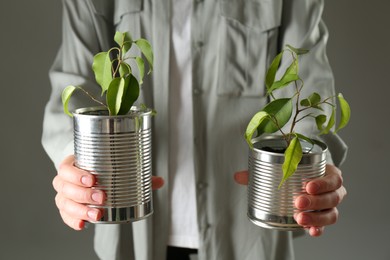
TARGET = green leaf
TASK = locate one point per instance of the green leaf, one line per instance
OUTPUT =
(141, 68)
(287, 79)
(345, 112)
(305, 138)
(114, 95)
(313, 99)
(293, 68)
(146, 50)
(66, 94)
(270, 77)
(305, 102)
(102, 68)
(292, 157)
(320, 121)
(290, 75)
(124, 69)
(130, 94)
(279, 109)
(297, 51)
(331, 122)
(254, 123)
(124, 40)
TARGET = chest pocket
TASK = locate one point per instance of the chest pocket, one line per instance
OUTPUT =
(247, 39)
(124, 14)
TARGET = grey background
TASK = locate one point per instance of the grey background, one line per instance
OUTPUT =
(30, 225)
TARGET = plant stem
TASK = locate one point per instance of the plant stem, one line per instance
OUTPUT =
(297, 111)
(94, 99)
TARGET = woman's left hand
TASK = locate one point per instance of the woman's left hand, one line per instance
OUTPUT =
(317, 208)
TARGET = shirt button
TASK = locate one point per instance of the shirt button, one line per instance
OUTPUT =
(201, 185)
(197, 91)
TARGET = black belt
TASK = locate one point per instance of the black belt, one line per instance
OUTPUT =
(180, 253)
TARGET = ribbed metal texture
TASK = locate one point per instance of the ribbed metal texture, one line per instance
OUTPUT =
(268, 205)
(118, 151)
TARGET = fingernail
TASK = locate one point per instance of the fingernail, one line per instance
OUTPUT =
(97, 197)
(93, 214)
(314, 188)
(303, 203)
(86, 180)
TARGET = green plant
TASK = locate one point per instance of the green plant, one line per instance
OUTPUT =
(278, 112)
(114, 75)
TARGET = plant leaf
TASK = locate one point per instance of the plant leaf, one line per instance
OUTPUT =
(114, 95)
(313, 99)
(292, 157)
(331, 122)
(270, 77)
(254, 123)
(297, 51)
(124, 40)
(102, 68)
(345, 112)
(124, 69)
(141, 67)
(66, 94)
(293, 68)
(287, 79)
(146, 50)
(130, 94)
(320, 121)
(279, 109)
(290, 75)
(305, 138)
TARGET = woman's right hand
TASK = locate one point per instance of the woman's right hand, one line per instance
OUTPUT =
(73, 187)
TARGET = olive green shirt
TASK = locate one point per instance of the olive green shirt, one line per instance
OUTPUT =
(233, 42)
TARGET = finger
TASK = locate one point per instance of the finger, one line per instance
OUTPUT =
(241, 177)
(317, 218)
(316, 231)
(76, 224)
(157, 182)
(330, 182)
(75, 175)
(322, 201)
(77, 193)
(75, 211)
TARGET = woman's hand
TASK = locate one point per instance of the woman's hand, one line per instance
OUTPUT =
(73, 187)
(323, 196)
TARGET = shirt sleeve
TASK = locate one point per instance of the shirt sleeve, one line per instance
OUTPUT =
(82, 37)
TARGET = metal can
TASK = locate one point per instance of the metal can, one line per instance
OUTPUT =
(268, 205)
(118, 151)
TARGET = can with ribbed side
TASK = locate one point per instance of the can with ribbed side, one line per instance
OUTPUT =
(268, 205)
(118, 151)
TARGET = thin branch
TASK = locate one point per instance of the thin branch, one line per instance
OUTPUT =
(94, 99)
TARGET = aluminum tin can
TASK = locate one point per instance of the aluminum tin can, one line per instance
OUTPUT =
(118, 151)
(268, 205)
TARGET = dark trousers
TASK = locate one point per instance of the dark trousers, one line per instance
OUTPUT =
(179, 253)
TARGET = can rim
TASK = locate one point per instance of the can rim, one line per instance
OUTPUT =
(94, 112)
(323, 147)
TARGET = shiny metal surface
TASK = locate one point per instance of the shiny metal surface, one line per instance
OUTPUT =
(118, 151)
(269, 206)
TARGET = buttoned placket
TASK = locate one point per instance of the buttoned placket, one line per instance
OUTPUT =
(199, 121)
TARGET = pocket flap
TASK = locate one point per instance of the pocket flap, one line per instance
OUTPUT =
(262, 14)
(123, 7)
